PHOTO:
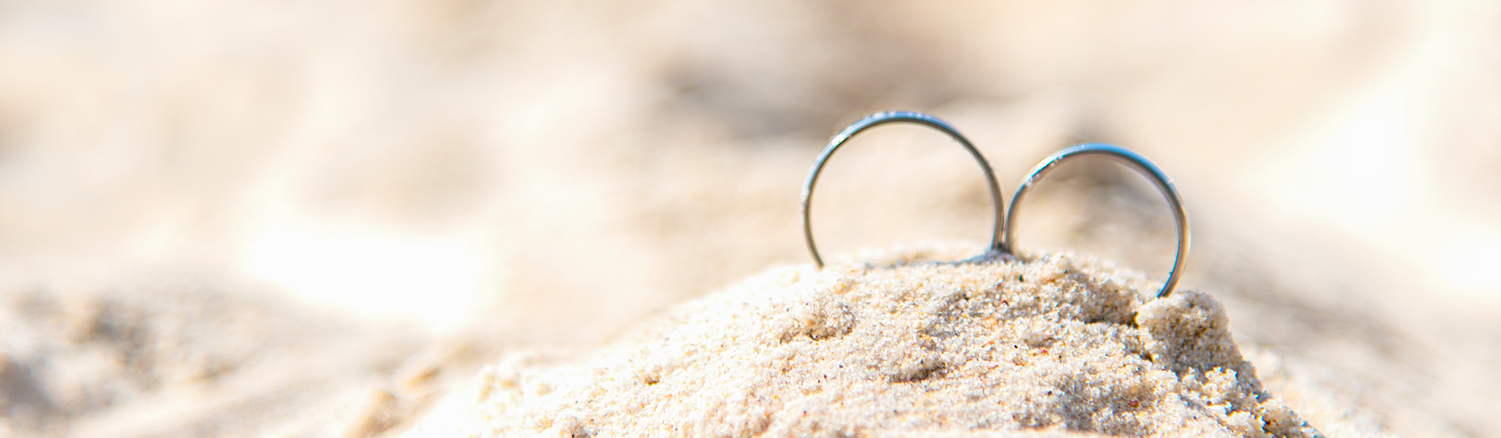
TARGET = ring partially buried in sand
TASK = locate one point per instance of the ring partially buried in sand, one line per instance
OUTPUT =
(883, 118)
(1130, 159)
(1003, 237)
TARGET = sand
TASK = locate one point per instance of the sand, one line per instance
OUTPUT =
(541, 175)
(1056, 345)
(182, 358)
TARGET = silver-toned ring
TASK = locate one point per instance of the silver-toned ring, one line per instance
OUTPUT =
(1124, 156)
(885, 117)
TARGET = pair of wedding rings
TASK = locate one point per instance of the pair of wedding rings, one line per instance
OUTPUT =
(1003, 236)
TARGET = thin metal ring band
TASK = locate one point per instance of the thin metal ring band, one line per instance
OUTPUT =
(882, 118)
(1124, 156)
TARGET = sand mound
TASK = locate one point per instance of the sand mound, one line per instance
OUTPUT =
(1050, 346)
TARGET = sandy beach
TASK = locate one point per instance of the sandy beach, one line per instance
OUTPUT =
(333, 218)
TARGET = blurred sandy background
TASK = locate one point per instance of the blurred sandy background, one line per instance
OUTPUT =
(307, 218)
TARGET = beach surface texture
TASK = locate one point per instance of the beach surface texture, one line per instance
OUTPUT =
(1054, 345)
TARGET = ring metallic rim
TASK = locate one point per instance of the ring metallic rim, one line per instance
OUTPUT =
(882, 118)
(1130, 159)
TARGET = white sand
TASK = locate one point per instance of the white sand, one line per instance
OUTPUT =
(1048, 346)
(580, 164)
